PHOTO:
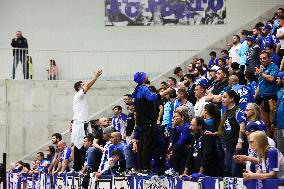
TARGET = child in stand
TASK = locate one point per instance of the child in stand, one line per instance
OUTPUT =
(115, 165)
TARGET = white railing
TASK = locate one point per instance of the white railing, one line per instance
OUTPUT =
(78, 65)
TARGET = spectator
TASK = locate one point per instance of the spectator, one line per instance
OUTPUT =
(252, 54)
(232, 127)
(253, 116)
(259, 25)
(20, 51)
(172, 82)
(180, 140)
(189, 83)
(199, 76)
(270, 160)
(56, 137)
(163, 85)
(243, 50)
(279, 114)
(179, 73)
(182, 103)
(115, 164)
(42, 164)
(273, 56)
(267, 89)
(277, 24)
(127, 98)
(65, 162)
(50, 155)
(268, 38)
(213, 61)
(202, 157)
(199, 92)
(222, 81)
(280, 34)
(211, 116)
(168, 113)
(160, 106)
(146, 119)
(222, 62)
(251, 81)
(257, 35)
(225, 56)
(115, 143)
(52, 71)
(190, 68)
(119, 119)
(89, 163)
(213, 77)
(234, 52)
(234, 69)
(246, 96)
(80, 109)
(201, 64)
(30, 67)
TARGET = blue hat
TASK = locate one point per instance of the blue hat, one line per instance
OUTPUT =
(280, 75)
(196, 176)
(203, 83)
(267, 27)
(251, 127)
(139, 77)
(250, 38)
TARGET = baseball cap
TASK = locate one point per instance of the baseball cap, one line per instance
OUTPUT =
(108, 130)
(214, 68)
(267, 27)
(249, 38)
(280, 75)
(251, 127)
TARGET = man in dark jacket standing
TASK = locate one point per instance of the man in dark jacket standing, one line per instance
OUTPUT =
(20, 51)
(146, 119)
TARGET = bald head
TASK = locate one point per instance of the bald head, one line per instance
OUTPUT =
(116, 138)
(61, 145)
(233, 80)
(103, 122)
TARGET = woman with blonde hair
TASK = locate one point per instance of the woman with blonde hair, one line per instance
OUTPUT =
(270, 160)
(253, 115)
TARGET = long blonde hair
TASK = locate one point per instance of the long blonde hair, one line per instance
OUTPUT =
(256, 110)
(260, 138)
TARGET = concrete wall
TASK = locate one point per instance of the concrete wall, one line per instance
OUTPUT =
(30, 111)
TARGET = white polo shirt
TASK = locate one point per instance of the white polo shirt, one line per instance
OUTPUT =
(234, 53)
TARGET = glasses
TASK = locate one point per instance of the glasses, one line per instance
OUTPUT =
(248, 110)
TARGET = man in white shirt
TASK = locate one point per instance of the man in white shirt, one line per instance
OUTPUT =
(199, 92)
(80, 109)
(234, 51)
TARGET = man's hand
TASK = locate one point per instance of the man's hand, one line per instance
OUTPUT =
(184, 175)
(98, 73)
(239, 146)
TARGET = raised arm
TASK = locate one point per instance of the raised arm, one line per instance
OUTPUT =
(90, 83)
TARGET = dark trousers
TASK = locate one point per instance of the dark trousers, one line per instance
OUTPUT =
(79, 158)
(146, 146)
(179, 157)
(16, 60)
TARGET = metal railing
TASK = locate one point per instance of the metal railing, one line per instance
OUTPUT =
(78, 65)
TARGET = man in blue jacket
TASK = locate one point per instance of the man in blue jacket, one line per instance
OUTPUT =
(146, 119)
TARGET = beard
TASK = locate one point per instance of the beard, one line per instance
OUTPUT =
(147, 82)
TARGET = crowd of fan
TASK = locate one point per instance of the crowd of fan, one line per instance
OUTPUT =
(219, 119)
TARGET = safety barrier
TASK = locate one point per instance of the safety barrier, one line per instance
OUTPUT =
(79, 65)
(73, 181)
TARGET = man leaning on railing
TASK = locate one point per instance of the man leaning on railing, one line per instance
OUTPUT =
(20, 51)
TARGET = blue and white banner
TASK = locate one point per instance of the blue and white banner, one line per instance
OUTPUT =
(46, 181)
(164, 12)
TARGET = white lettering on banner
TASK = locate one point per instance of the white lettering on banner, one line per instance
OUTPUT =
(60, 183)
(121, 182)
(69, 184)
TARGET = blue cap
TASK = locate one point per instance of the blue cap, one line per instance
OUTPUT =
(267, 27)
(280, 75)
(251, 127)
(250, 38)
(139, 77)
(203, 83)
(196, 176)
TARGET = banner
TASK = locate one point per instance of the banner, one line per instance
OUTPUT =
(164, 12)
(73, 181)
